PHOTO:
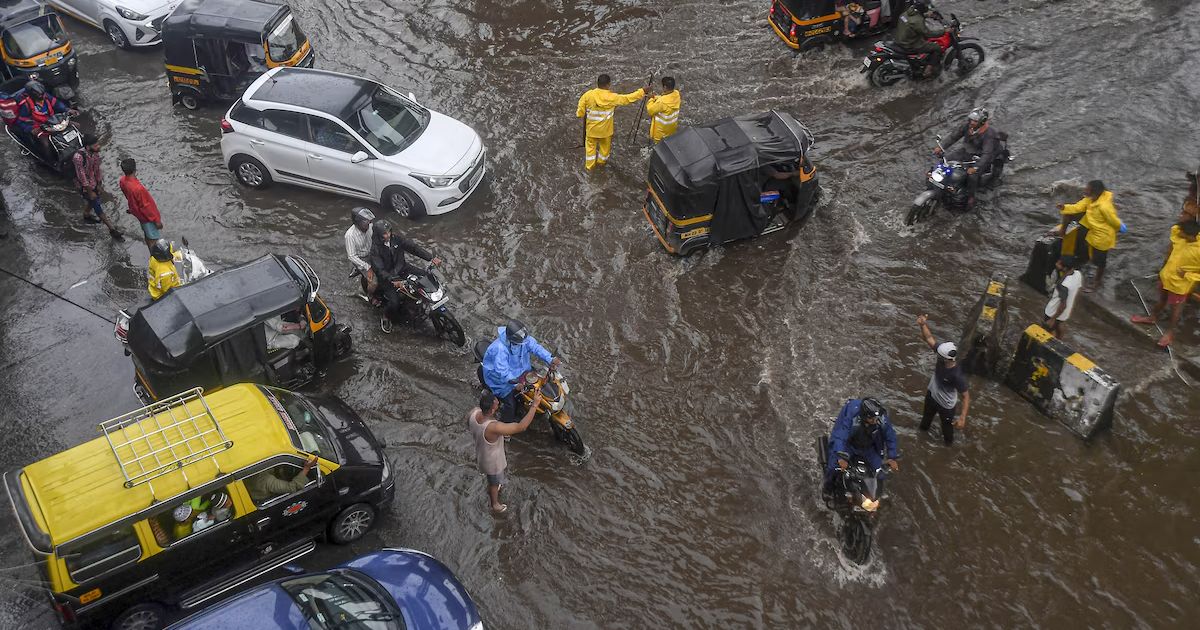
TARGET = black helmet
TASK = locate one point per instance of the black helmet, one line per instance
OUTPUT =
(979, 115)
(161, 250)
(35, 89)
(920, 5)
(362, 218)
(516, 332)
(871, 408)
(381, 226)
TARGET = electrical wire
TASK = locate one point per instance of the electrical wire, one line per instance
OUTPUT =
(65, 299)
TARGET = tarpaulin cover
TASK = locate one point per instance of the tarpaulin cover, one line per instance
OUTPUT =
(715, 169)
(235, 20)
(167, 334)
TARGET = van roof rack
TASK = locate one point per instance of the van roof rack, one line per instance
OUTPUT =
(165, 436)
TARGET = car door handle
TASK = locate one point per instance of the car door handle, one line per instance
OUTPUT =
(315, 157)
(262, 523)
(344, 490)
(257, 143)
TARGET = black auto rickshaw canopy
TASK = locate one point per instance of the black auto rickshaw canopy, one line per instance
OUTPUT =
(210, 332)
(717, 170)
(244, 21)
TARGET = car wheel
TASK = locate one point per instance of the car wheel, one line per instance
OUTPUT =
(351, 523)
(250, 172)
(403, 202)
(116, 34)
(141, 617)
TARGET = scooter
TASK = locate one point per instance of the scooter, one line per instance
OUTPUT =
(429, 299)
(65, 140)
(554, 408)
(888, 63)
(946, 182)
(856, 498)
(188, 266)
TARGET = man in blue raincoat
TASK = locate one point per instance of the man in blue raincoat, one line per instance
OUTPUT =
(506, 360)
(862, 430)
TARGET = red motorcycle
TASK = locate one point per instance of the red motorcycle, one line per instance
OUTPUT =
(888, 63)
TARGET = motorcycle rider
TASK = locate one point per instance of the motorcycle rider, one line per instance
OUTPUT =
(507, 360)
(862, 430)
(162, 274)
(913, 34)
(979, 139)
(391, 268)
(36, 108)
(358, 249)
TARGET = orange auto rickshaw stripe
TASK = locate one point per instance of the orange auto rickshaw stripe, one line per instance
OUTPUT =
(184, 70)
(145, 384)
(673, 220)
(646, 212)
(778, 32)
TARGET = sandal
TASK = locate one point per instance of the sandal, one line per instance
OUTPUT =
(502, 510)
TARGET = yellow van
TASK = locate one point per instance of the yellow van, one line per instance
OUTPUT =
(187, 498)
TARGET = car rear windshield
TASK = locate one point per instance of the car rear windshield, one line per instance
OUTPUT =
(285, 40)
(305, 428)
(337, 600)
(34, 37)
(389, 122)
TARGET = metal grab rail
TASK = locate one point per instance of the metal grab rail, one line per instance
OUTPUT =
(154, 450)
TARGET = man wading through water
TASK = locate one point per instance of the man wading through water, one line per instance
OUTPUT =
(489, 434)
(947, 383)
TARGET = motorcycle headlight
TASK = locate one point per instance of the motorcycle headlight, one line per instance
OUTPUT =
(556, 405)
(72, 62)
(937, 175)
(131, 15)
(434, 182)
(60, 126)
(436, 296)
(869, 505)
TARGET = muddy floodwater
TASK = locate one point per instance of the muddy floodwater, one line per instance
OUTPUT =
(699, 384)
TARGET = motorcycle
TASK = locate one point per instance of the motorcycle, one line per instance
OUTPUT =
(554, 408)
(856, 497)
(946, 182)
(888, 63)
(429, 301)
(65, 140)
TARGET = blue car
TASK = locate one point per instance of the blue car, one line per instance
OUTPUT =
(392, 589)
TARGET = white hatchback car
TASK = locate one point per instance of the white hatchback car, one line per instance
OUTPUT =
(129, 23)
(351, 136)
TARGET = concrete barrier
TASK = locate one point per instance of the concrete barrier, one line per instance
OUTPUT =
(981, 341)
(1048, 249)
(1062, 383)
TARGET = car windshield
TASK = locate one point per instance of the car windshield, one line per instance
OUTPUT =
(336, 600)
(304, 426)
(389, 122)
(34, 37)
(285, 40)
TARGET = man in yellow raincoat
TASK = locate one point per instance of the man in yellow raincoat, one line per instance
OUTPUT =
(1178, 275)
(162, 276)
(598, 106)
(1102, 224)
(663, 110)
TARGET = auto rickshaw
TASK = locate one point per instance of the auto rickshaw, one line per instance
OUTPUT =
(215, 49)
(33, 41)
(738, 178)
(810, 24)
(261, 322)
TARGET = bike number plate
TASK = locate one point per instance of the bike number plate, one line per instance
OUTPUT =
(71, 135)
(866, 62)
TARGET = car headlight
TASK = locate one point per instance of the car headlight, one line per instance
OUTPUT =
(131, 15)
(434, 182)
(387, 471)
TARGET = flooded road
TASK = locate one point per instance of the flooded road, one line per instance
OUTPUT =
(699, 384)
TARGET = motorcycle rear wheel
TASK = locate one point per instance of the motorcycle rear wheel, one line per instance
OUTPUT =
(885, 75)
(921, 212)
(447, 326)
(965, 59)
(856, 540)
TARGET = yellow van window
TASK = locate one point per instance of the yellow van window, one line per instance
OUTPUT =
(191, 516)
(100, 554)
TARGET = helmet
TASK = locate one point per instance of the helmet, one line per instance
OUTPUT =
(220, 504)
(516, 332)
(920, 5)
(871, 408)
(381, 226)
(182, 513)
(979, 115)
(35, 89)
(161, 250)
(947, 350)
(362, 218)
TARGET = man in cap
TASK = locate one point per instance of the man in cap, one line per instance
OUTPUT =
(946, 385)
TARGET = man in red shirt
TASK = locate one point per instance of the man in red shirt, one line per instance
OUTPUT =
(141, 204)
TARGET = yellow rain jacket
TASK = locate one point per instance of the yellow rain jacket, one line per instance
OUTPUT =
(1185, 257)
(162, 277)
(1100, 219)
(663, 111)
(598, 105)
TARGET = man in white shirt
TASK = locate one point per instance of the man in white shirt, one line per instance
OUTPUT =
(358, 249)
(1062, 297)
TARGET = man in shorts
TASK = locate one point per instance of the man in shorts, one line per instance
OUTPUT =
(141, 204)
(87, 179)
(1178, 276)
(1062, 296)
(489, 435)
(945, 387)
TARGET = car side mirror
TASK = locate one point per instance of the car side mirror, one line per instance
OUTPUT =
(412, 97)
(359, 157)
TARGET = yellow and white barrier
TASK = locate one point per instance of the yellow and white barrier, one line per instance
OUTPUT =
(1062, 383)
